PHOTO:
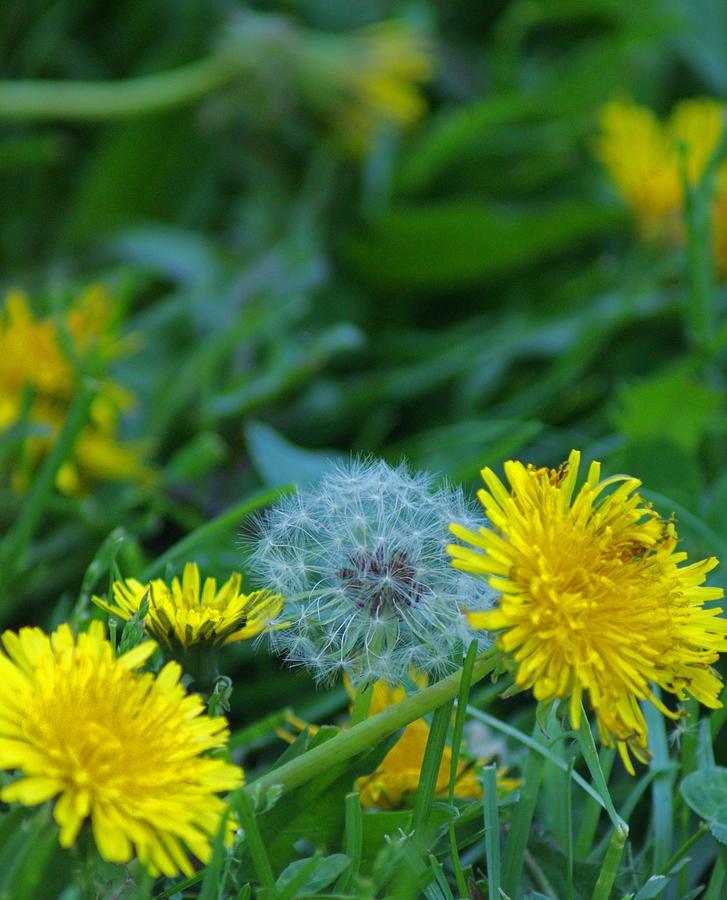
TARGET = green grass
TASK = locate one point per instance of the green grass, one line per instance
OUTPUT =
(466, 291)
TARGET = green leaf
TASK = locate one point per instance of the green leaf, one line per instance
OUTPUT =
(30, 855)
(197, 458)
(165, 152)
(705, 792)
(665, 467)
(460, 243)
(653, 887)
(279, 462)
(315, 811)
(324, 872)
(672, 406)
(450, 135)
(463, 448)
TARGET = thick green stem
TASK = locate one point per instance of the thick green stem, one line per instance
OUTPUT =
(371, 731)
(84, 101)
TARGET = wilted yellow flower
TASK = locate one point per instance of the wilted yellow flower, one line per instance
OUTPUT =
(181, 615)
(398, 774)
(367, 80)
(123, 748)
(643, 158)
(594, 597)
(36, 353)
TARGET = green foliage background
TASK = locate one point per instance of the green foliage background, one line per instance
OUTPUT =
(468, 292)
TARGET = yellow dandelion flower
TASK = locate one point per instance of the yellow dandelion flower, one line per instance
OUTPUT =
(123, 748)
(397, 777)
(594, 597)
(34, 353)
(643, 158)
(181, 615)
(369, 79)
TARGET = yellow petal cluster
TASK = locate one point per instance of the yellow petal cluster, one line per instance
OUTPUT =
(594, 596)
(185, 613)
(643, 158)
(367, 80)
(397, 777)
(123, 748)
(36, 354)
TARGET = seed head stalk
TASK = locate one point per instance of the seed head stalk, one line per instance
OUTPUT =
(368, 732)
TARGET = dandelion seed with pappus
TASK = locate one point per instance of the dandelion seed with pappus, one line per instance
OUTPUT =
(360, 561)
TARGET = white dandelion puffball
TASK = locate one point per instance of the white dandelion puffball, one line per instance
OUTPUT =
(368, 588)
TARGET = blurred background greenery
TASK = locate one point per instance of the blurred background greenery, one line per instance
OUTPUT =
(236, 240)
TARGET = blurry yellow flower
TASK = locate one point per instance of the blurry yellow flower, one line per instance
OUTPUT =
(126, 749)
(397, 777)
(181, 615)
(35, 353)
(593, 597)
(367, 80)
(643, 158)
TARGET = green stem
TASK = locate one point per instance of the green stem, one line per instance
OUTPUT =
(517, 839)
(431, 765)
(592, 809)
(701, 315)
(609, 869)
(464, 693)
(684, 849)
(535, 746)
(352, 741)
(228, 519)
(28, 100)
(590, 756)
(492, 833)
(254, 840)
(15, 542)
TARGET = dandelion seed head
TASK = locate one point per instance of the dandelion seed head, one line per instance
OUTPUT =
(360, 560)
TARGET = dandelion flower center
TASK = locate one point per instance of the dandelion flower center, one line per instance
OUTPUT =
(381, 583)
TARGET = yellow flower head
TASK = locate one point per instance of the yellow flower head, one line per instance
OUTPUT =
(642, 156)
(397, 777)
(594, 597)
(126, 749)
(37, 353)
(181, 615)
(368, 79)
